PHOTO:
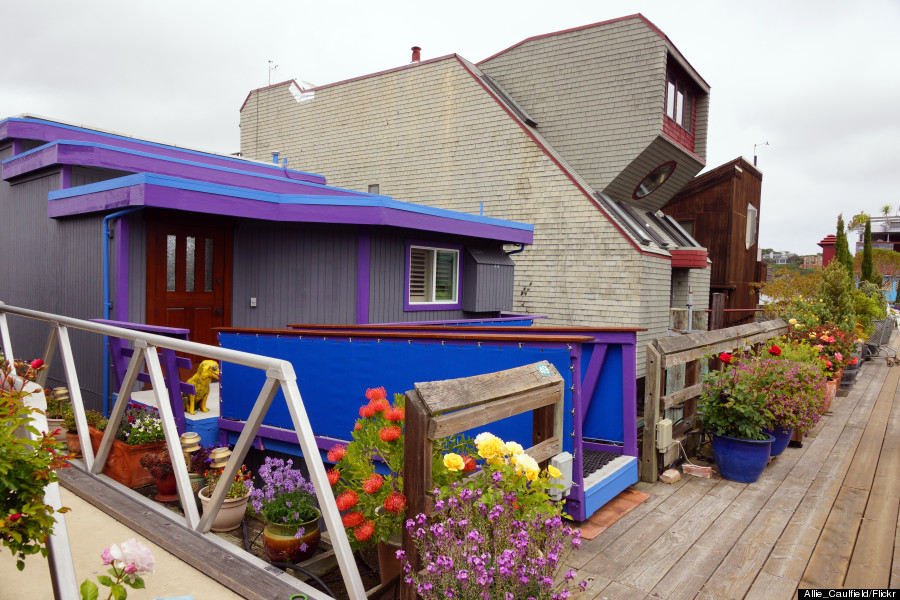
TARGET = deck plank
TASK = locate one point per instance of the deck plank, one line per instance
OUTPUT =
(830, 560)
(617, 591)
(865, 460)
(772, 587)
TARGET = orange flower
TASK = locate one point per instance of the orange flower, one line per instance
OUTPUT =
(372, 483)
(364, 531)
(336, 453)
(395, 502)
(470, 464)
(376, 394)
(352, 519)
(366, 411)
(389, 434)
(395, 414)
(379, 405)
(357, 426)
(346, 500)
(333, 476)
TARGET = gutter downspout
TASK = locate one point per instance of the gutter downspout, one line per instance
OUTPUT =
(107, 303)
(521, 249)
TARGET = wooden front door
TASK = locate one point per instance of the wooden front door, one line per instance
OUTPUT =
(189, 277)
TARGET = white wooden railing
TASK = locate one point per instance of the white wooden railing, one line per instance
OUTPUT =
(279, 374)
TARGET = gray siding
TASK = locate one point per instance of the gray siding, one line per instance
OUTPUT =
(137, 268)
(298, 274)
(52, 266)
(487, 284)
(86, 175)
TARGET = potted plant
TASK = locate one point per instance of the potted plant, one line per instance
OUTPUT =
(198, 464)
(55, 416)
(94, 419)
(26, 467)
(367, 477)
(231, 513)
(285, 500)
(733, 408)
(503, 517)
(139, 433)
(159, 465)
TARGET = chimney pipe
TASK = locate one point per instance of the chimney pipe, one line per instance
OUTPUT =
(417, 54)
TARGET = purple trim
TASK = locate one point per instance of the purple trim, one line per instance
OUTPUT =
(407, 305)
(167, 192)
(602, 447)
(578, 414)
(629, 399)
(16, 146)
(123, 254)
(274, 433)
(508, 318)
(363, 264)
(40, 129)
(589, 381)
(89, 154)
(65, 177)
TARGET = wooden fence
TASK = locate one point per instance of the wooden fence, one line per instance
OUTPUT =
(688, 350)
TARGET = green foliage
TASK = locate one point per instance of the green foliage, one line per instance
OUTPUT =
(842, 250)
(732, 405)
(94, 418)
(26, 467)
(836, 297)
(867, 268)
(870, 305)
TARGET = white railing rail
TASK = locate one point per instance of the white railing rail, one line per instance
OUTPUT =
(279, 374)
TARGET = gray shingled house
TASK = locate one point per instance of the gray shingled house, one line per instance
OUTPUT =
(586, 133)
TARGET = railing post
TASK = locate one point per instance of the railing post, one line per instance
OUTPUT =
(717, 312)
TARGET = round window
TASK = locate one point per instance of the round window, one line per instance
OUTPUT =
(656, 178)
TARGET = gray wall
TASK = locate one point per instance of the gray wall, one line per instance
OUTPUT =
(297, 273)
(52, 266)
(86, 175)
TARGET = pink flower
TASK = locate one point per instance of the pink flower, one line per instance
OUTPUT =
(839, 356)
(131, 556)
(819, 347)
(828, 363)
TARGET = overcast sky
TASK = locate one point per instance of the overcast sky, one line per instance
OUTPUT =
(820, 81)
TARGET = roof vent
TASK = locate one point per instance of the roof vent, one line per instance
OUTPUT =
(417, 54)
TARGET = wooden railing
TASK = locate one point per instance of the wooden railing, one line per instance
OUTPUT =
(688, 350)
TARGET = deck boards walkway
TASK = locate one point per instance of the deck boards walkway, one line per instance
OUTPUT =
(824, 515)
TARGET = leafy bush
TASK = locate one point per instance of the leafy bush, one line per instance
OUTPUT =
(732, 404)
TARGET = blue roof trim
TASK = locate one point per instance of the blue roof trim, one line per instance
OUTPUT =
(153, 144)
(362, 200)
(173, 160)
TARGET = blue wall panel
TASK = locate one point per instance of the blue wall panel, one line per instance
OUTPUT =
(333, 375)
(604, 418)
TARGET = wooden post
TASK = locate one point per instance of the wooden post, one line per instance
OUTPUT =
(652, 382)
(717, 314)
(416, 476)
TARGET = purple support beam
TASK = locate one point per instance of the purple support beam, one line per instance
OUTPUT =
(123, 254)
(629, 396)
(577, 422)
(65, 177)
(363, 265)
(595, 365)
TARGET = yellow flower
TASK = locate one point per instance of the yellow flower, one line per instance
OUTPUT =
(793, 321)
(490, 447)
(553, 472)
(797, 326)
(812, 336)
(512, 449)
(454, 462)
(484, 435)
(526, 464)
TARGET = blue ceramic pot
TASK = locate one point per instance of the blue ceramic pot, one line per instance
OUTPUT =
(782, 437)
(741, 460)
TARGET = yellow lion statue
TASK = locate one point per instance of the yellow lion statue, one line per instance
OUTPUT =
(206, 372)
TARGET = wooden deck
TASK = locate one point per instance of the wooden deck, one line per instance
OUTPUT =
(821, 516)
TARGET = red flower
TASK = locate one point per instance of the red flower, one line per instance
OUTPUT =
(854, 361)
(376, 394)
(469, 464)
(379, 405)
(347, 500)
(333, 476)
(15, 517)
(395, 414)
(775, 350)
(828, 363)
(37, 363)
(725, 358)
(395, 502)
(389, 434)
(366, 411)
(357, 426)
(352, 519)
(364, 531)
(372, 483)
(336, 453)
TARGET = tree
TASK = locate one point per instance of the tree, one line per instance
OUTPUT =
(867, 269)
(858, 220)
(886, 210)
(842, 250)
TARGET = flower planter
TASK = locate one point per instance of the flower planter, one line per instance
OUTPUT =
(54, 424)
(281, 545)
(230, 514)
(166, 488)
(123, 463)
(73, 444)
(388, 563)
(782, 437)
(831, 386)
(741, 460)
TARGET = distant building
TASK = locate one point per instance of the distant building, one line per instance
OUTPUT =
(885, 234)
(811, 261)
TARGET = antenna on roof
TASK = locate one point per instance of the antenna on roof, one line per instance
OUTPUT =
(754, 150)
(272, 67)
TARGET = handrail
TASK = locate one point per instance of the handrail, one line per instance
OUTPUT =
(279, 375)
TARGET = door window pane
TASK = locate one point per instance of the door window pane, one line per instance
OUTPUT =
(170, 263)
(189, 264)
(445, 276)
(208, 267)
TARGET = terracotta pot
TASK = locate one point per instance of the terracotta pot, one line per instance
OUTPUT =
(281, 545)
(166, 488)
(230, 514)
(831, 386)
(388, 563)
(73, 444)
(54, 424)
(123, 463)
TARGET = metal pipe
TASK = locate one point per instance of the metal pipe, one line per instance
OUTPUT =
(107, 303)
(521, 249)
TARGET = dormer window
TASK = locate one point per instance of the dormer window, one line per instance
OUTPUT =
(679, 101)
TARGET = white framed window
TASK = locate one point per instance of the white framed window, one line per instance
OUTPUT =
(752, 218)
(432, 277)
